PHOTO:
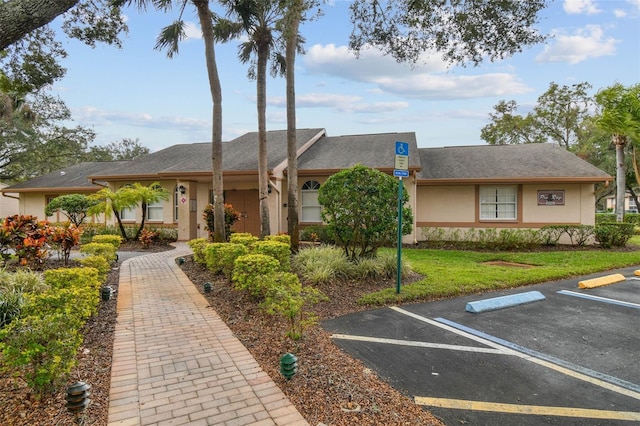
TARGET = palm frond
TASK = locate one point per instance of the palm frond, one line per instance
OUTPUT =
(170, 38)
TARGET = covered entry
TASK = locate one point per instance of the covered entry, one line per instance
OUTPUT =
(246, 202)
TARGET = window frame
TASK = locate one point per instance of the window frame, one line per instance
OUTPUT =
(498, 204)
(310, 187)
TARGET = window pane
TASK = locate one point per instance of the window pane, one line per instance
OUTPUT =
(311, 214)
(310, 198)
(498, 202)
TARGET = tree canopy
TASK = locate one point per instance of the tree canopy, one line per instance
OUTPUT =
(463, 31)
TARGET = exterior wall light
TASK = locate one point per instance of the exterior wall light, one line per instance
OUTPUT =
(182, 189)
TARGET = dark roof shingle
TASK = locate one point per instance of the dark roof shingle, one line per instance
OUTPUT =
(500, 162)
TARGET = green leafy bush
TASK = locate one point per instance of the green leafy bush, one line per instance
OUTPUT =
(108, 251)
(281, 238)
(249, 271)
(360, 208)
(97, 262)
(614, 234)
(277, 250)
(114, 240)
(228, 253)
(285, 296)
(41, 348)
(550, 234)
(243, 238)
(605, 218)
(212, 257)
(317, 234)
(198, 246)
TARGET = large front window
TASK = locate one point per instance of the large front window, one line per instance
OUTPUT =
(498, 202)
(310, 206)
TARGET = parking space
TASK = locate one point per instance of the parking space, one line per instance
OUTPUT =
(570, 359)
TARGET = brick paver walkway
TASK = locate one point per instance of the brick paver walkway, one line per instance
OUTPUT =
(176, 362)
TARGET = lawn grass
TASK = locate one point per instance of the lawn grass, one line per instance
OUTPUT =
(449, 273)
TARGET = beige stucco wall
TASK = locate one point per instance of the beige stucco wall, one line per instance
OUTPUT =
(455, 207)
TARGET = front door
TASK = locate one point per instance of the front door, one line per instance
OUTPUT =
(246, 202)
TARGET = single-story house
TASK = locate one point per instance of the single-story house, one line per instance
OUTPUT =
(508, 186)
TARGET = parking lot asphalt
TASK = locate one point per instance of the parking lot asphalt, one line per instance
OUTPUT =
(569, 359)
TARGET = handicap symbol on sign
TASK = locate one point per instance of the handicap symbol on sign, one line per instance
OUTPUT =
(402, 148)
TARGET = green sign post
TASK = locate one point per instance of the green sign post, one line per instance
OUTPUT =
(401, 170)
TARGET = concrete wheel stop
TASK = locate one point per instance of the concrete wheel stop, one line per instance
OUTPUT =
(502, 302)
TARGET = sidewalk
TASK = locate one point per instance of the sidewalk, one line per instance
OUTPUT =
(175, 362)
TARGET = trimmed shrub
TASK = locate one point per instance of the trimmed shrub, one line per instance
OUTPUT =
(277, 250)
(281, 238)
(249, 271)
(108, 251)
(605, 218)
(212, 257)
(198, 246)
(41, 349)
(228, 254)
(551, 234)
(97, 262)
(614, 234)
(114, 240)
(70, 277)
(243, 238)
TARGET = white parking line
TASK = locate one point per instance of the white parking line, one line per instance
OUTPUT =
(418, 344)
(600, 299)
(577, 372)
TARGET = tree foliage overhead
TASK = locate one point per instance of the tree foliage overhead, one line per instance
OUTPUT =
(558, 117)
(360, 208)
(462, 30)
(86, 20)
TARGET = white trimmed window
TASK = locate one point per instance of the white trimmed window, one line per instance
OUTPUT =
(154, 211)
(498, 202)
(310, 206)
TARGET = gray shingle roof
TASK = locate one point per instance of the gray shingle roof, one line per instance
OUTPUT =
(240, 154)
(71, 178)
(513, 162)
(340, 152)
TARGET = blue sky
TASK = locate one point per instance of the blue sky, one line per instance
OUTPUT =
(137, 92)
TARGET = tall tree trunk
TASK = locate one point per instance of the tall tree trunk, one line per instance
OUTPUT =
(18, 18)
(206, 22)
(293, 224)
(263, 172)
(619, 142)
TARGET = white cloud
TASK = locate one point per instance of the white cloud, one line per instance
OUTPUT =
(580, 6)
(93, 116)
(192, 30)
(428, 81)
(582, 45)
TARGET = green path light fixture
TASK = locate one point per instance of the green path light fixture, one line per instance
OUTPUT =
(288, 365)
(207, 287)
(78, 400)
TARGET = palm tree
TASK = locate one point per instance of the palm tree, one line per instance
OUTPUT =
(258, 19)
(169, 39)
(109, 202)
(620, 116)
(146, 195)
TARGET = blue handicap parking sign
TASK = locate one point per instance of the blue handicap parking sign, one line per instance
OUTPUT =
(402, 148)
